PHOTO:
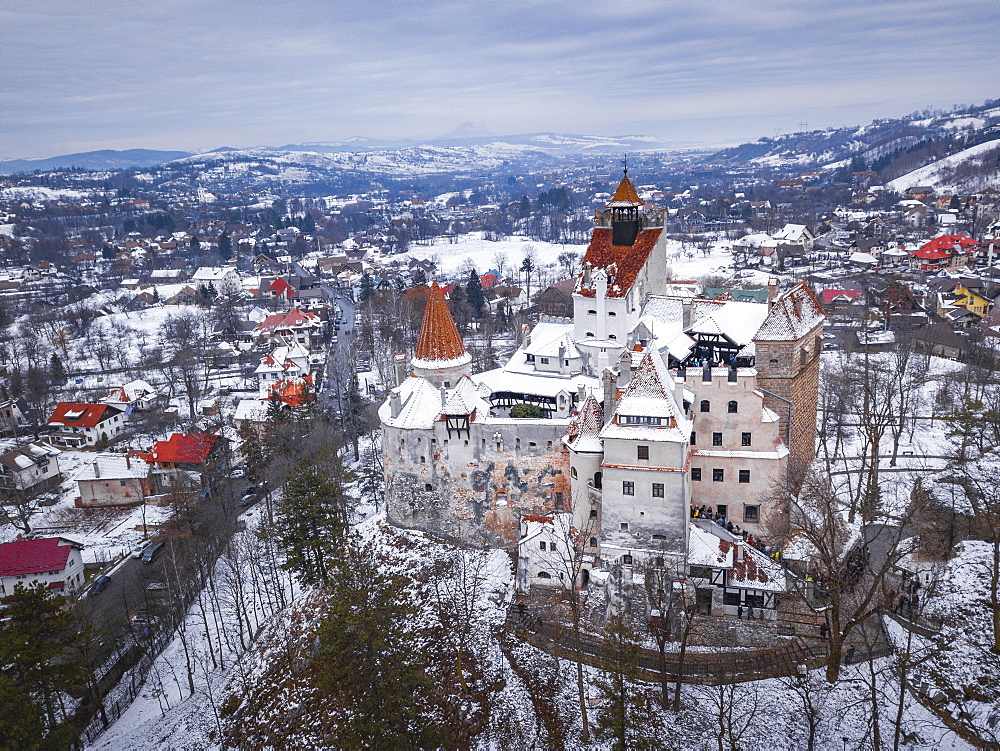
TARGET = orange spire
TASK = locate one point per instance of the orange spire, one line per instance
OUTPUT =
(626, 194)
(439, 339)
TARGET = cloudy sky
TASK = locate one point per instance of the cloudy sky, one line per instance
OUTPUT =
(186, 74)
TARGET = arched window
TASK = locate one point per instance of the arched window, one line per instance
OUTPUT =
(706, 406)
(573, 473)
(734, 407)
(598, 479)
(544, 575)
(590, 334)
(627, 559)
(593, 543)
(612, 336)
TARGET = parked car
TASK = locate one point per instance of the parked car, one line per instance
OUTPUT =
(238, 471)
(99, 585)
(150, 553)
(156, 586)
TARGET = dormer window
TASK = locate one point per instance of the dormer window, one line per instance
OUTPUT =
(642, 420)
(529, 358)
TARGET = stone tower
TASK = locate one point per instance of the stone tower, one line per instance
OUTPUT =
(788, 346)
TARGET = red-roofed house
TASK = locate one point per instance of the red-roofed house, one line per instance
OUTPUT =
(294, 326)
(834, 297)
(54, 561)
(947, 251)
(80, 424)
(184, 455)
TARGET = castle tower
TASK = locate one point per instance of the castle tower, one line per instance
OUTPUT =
(440, 356)
(788, 346)
(624, 264)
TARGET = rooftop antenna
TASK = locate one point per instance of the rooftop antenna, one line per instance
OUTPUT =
(625, 165)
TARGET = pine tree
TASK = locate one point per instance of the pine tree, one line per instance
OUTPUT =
(624, 716)
(37, 653)
(225, 247)
(474, 293)
(369, 661)
(311, 522)
(57, 372)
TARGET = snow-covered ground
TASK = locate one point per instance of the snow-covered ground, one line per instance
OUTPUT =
(940, 174)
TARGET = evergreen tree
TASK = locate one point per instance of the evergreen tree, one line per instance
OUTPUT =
(625, 715)
(474, 293)
(225, 247)
(366, 287)
(39, 663)
(311, 522)
(369, 661)
(195, 244)
(57, 372)
(156, 295)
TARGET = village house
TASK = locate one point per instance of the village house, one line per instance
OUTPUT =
(29, 470)
(224, 279)
(292, 327)
(113, 480)
(135, 396)
(79, 425)
(185, 457)
(54, 561)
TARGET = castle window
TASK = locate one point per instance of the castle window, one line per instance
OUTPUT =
(548, 445)
(423, 460)
(745, 439)
(541, 546)
(612, 336)
(544, 575)
(773, 361)
(593, 513)
(657, 490)
(573, 473)
(532, 446)
(718, 475)
(628, 487)
(559, 500)
(716, 439)
(529, 358)
(642, 420)
(745, 475)
(612, 314)
(627, 559)
(694, 438)
(751, 514)
(447, 384)
(642, 452)
(593, 542)
(428, 486)
(660, 537)
(706, 406)
(590, 334)
(733, 407)
(696, 474)
(591, 312)
(624, 527)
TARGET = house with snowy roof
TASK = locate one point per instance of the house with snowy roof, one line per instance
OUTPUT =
(224, 279)
(184, 456)
(56, 562)
(292, 327)
(28, 470)
(283, 362)
(113, 480)
(135, 396)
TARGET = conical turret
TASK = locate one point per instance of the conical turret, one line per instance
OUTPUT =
(440, 356)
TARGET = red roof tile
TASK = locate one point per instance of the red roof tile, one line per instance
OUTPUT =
(439, 338)
(622, 263)
(78, 415)
(184, 448)
(35, 556)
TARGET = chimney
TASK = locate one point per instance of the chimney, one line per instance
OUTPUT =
(610, 391)
(128, 462)
(624, 369)
(772, 291)
(687, 314)
(586, 275)
(395, 402)
(581, 393)
(444, 396)
(399, 367)
(97, 469)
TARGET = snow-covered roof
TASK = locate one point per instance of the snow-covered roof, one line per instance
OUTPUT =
(509, 379)
(212, 273)
(793, 315)
(113, 466)
(737, 321)
(650, 393)
(584, 432)
(465, 399)
(253, 410)
(420, 405)
(548, 336)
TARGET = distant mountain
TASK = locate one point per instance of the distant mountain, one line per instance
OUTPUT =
(470, 135)
(106, 159)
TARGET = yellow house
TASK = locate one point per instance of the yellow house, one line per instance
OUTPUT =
(964, 299)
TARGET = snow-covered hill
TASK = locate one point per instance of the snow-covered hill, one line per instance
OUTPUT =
(971, 169)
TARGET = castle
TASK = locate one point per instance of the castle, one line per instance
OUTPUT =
(649, 401)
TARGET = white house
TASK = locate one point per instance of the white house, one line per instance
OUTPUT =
(113, 480)
(137, 395)
(80, 424)
(225, 279)
(29, 469)
(54, 561)
(546, 552)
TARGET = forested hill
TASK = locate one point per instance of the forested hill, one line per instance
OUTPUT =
(891, 147)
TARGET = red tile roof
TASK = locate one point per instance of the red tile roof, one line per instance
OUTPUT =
(622, 263)
(625, 194)
(280, 287)
(35, 556)
(292, 318)
(78, 415)
(827, 296)
(439, 338)
(184, 448)
(295, 392)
